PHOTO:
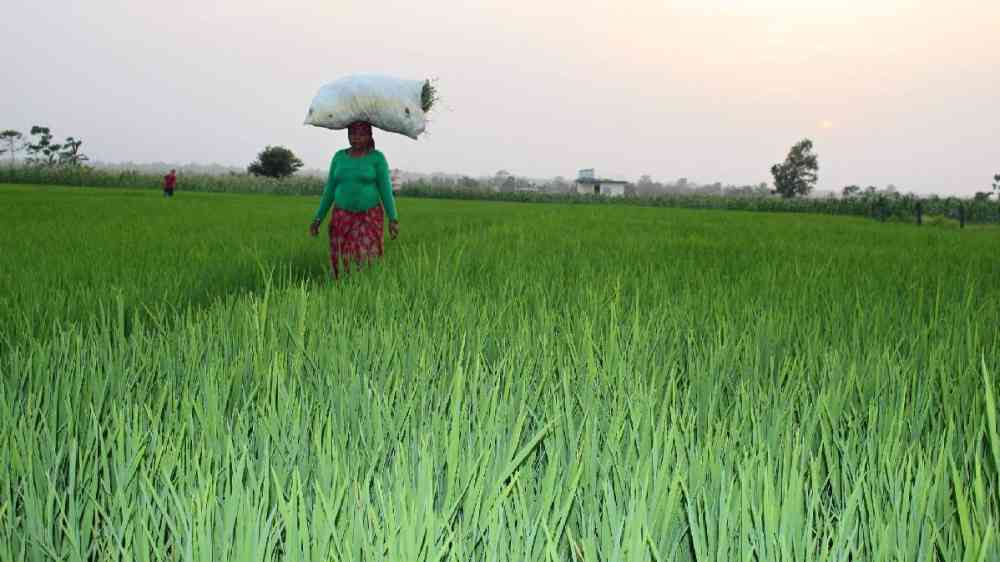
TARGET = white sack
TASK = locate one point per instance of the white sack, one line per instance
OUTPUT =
(391, 104)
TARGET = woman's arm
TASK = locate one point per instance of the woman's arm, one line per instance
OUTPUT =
(384, 182)
(328, 193)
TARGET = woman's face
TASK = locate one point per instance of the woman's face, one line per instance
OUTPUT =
(359, 136)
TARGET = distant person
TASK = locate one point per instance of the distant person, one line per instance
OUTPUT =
(358, 182)
(169, 183)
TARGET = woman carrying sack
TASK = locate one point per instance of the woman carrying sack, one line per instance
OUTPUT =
(358, 182)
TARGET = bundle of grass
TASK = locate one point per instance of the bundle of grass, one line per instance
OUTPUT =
(428, 96)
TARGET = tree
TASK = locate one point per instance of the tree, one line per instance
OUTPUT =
(468, 183)
(851, 191)
(70, 153)
(996, 185)
(14, 143)
(709, 189)
(744, 190)
(275, 162)
(797, 175)
(645, 186)
(43, 151)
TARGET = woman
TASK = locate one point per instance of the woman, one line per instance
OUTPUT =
(358, 181)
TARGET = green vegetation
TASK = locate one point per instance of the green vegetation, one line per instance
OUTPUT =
(42, 152)
(11, 142)
(869, 204)
(275, 162)
(902, 208)
(512, 382)
(84, 176)
(68, 252)
(796, 176)
(428, 96)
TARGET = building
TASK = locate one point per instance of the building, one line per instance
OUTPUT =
(588, 184)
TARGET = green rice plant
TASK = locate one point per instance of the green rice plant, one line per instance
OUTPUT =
(636, 384)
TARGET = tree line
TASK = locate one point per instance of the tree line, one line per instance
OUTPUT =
(794, 177)
(40, 149)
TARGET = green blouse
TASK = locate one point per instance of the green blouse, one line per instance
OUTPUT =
(357, 184)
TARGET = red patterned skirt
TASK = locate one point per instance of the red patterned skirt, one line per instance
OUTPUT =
(355, 237)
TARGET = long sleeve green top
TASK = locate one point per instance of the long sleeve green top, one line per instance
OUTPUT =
(357, 184)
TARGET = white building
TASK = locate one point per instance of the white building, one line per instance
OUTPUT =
(588, 184)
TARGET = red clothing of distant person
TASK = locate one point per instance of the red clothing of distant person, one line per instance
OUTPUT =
(169, 182)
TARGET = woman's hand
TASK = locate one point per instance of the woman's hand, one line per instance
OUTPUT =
(314, 228)
(393, 229)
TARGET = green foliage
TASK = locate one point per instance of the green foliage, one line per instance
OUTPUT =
(428, 96)
(851, 191)
(870, 203)
(85, 176)
(275, 162)
(13, 142)
(941, 221)
(70, 154)
(633, 384)
(43, 151)
(797, 175)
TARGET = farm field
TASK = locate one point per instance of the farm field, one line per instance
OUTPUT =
(533, 382)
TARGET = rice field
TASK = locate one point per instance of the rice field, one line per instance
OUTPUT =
(179, 381)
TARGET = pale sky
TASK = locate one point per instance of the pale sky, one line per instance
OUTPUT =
(890, 91)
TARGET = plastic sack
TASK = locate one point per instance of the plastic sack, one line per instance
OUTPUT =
(388, 103)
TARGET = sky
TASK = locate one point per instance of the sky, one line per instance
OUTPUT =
(901, 92)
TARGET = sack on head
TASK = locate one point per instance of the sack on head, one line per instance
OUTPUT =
(390, 104)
